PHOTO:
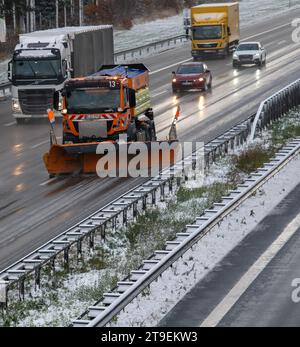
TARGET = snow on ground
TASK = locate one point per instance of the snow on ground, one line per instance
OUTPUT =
(149, 308)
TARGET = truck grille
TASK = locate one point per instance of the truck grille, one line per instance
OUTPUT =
(109, 125)
(246, 57)
(207, 45)
(36, 101)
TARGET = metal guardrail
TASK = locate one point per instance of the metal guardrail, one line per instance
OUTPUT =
(276, 105)
(5, 90)
(127, 290)
(137, 52)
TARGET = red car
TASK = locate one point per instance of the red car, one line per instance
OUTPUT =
(194, 75)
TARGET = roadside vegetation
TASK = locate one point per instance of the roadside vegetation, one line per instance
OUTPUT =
(65, 295)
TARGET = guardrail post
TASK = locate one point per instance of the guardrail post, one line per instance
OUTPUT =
(134, 210)
(21, 289)
(162, 192)
(66, 257)
(92, 241)
(153, 197)
(144, 203)
(79, 250)
(125, 216)
(3, 293)
(37, 277)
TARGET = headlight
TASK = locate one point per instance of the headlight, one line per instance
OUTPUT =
(201, 79)
(16, 106)
(64, 111)
(256, 55)
(174, 80)
(235, 56)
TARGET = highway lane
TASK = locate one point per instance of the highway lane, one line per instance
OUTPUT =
(268, 300)
(32, 210)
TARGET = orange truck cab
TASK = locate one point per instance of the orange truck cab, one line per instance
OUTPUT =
(111, 102)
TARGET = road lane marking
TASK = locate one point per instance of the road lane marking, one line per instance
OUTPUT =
(161, 93)
(9, 124)
(249, 277)
(172, 65)
(268, 31)
(47, 182)
(43, 143)
(39, 144)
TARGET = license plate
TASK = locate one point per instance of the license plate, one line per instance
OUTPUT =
(93, 129)
(187, 83)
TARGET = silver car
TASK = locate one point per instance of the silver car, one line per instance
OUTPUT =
(249, 53)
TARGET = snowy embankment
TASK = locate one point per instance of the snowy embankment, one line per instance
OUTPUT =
(148, 309)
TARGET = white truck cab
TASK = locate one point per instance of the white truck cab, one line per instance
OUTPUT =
(44, 60)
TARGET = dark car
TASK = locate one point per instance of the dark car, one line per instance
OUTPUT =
(194, 75)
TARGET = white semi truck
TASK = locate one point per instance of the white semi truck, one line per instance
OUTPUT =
(44, 61)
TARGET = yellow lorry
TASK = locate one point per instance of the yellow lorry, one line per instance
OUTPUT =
(215, 29)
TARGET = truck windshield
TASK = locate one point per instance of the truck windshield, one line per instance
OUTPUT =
(93, 100)
(37, 69)
(207, 32)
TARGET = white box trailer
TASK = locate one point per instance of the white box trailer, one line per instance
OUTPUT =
(44, 60)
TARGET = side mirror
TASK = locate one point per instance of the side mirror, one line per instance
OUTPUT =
(132, 98)
(9, 71)
(208, 71)
(56, 101)
(173, 73)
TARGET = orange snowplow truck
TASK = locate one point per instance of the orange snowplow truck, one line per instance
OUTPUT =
(98, 109)
(111, 102)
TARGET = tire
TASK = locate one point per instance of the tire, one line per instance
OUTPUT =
(21, 121)
(206, 87)
(210, 83)
(260, 63)
(235, 65)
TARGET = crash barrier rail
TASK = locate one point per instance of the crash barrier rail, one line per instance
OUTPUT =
(120, 212)
(137, 52)
(276, 105)
(130, 288)
(5, 90)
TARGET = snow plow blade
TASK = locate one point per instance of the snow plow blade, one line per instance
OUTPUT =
(83, 158)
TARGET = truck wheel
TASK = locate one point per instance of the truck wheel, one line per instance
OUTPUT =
(21, 121)
(235, 65)
(131, 132)
(210, 84)
(150, 114)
